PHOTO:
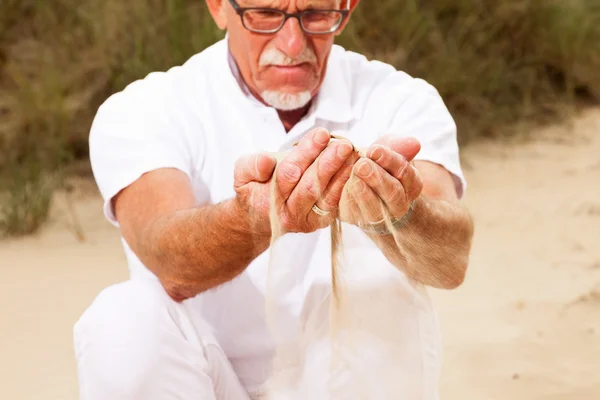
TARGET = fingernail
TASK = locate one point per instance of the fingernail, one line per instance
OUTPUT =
(321, 137)
(364, 170)
(376, 154)
(344, 149)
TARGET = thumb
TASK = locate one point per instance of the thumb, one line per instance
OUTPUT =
(409, 147)
(253, 168)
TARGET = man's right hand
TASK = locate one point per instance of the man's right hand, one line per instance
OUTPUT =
(313, 173)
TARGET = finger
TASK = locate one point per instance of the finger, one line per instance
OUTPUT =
(399, 167)
(316, 179)
(291, 169)
(395, 164)
(332, 195)
(253, 168)
(409, 147)
(348, 209)
(412, 182)
(371, 209)
(389, 189)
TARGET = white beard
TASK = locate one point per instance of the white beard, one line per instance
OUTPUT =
(286, 101)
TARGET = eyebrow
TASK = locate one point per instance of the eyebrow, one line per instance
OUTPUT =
(325, 4)
(329, 4)
(259, 4)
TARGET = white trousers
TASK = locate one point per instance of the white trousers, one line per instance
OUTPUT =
(135, 343)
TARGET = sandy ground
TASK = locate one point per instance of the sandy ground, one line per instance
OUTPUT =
(524, 326)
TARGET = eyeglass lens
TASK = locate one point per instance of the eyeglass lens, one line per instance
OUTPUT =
(311, 21)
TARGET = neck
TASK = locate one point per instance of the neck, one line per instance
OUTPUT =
(291, 118)
(288, 118)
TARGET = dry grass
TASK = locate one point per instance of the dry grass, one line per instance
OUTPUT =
(59, 59)
(495, 63)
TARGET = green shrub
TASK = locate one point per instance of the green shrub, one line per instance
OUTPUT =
(59, 60)
(25, 200)
(494, 62)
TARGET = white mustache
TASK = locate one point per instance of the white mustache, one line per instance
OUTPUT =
(273, 56)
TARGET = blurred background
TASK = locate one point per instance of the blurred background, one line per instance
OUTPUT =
(522, 79)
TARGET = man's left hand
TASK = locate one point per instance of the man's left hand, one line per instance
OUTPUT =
(385, 178)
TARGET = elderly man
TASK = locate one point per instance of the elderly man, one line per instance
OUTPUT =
(183, 160)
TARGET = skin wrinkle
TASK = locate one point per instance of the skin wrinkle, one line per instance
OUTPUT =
(420, 237)
(185, 281)
(248, 48)
(420, 250)
(193, 248)
(279, 4)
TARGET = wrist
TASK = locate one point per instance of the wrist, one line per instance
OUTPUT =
(247, 223)
(383, 227)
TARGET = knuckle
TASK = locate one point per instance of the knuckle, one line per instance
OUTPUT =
(289, 171)
(398, 195)
(327, 175)
(332, 198)
(331, 202)
(287, 222)
(375, 177)
(397, 192)
(381, 176)
(327, 168)
(310, 189)
(401, 168)
(305, 156)
(309, 226)
(385, 157)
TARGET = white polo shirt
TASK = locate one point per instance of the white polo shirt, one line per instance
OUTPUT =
(198, 119)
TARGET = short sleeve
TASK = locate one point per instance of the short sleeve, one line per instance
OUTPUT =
(423, 115)
(135, 132)
(389, 101)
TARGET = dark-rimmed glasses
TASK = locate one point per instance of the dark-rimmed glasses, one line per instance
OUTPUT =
(271, 20)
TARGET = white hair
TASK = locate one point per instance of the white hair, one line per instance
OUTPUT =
(286, 101)
(273, 56)
(283, 100)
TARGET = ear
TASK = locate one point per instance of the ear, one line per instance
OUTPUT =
(218, 11)
(353, 4)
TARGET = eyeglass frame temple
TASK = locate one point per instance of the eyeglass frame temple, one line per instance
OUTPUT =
(240, 11)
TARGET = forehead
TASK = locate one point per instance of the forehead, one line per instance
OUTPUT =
(287, 4)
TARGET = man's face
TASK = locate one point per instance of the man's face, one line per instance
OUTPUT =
(285, 68)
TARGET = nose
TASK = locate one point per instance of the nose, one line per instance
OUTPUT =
(291, 38)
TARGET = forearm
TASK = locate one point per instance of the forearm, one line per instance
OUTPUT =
(194, 250)
(433, 247)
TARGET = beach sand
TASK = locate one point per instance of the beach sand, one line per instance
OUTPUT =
(525, 325)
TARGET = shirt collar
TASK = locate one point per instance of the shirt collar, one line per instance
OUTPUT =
(332, 102)
(240, 80)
